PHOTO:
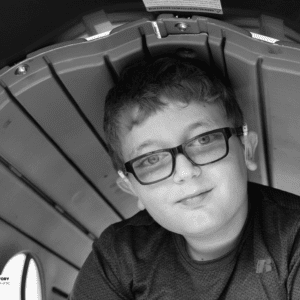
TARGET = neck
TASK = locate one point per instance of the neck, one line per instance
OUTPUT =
(215, 245)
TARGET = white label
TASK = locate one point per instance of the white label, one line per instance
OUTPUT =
(98, 36)
(264, 38)
(208, 6)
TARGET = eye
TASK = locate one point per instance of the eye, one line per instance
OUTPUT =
(149, 161)
(201, 141)
(204, 139)
(154, 160)
(208, 139)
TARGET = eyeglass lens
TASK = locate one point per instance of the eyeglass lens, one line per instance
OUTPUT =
(201, 150)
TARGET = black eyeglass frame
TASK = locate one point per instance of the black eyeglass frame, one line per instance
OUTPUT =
(227, 133)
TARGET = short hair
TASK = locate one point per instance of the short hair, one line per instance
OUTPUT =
(142, 85)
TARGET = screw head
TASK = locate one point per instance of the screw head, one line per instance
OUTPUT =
(182, 26)
(22, 70)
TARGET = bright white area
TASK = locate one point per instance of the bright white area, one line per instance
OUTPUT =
(33, 288)
(11, 289)
(13, 270)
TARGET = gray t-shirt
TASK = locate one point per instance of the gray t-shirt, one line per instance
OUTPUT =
(139, 259)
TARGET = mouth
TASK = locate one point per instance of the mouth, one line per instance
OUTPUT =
(194, 201)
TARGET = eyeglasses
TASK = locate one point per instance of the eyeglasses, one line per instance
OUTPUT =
(203, 149)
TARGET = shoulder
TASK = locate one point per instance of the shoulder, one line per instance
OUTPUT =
(275, 208)
(274, 196)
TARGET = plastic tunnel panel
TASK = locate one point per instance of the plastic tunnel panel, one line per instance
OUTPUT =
(196, 46)
(39, 220)
(25, 148)
(69, 131)
(282, 110)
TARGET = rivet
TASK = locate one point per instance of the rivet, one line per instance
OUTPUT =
(182, 26)
(22, 70)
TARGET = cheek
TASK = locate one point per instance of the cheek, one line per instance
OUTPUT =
(230, 180)
(152, 196)
(230, 174)
(236, 159)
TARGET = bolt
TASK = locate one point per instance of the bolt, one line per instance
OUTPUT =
(22, 70)
(182, 26)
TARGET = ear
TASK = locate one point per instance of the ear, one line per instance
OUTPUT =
(250, 143)
(126, 186)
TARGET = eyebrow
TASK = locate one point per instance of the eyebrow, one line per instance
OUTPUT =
(151, 142)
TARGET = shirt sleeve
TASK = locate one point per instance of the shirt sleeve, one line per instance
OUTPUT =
(99, 277)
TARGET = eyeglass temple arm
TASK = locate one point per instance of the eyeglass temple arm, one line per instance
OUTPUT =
(121, 174)
(245, 129)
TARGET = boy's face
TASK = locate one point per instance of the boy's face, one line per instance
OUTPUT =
(223, 183)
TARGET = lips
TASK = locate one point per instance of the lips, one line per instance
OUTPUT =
(194, 199)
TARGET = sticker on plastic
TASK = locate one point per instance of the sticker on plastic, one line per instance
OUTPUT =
(207, 6)
(263, 38)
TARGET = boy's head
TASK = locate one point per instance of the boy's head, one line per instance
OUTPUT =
(161, 105)
(142, 85)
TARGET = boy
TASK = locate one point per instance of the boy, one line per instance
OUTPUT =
(178, 139)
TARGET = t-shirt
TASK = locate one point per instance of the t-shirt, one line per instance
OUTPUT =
(138, 259)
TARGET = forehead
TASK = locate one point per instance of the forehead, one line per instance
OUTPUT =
(169, 127)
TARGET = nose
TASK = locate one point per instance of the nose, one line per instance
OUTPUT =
(184, 169)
